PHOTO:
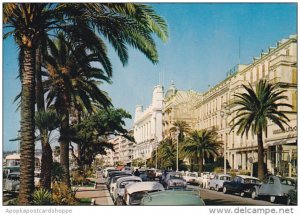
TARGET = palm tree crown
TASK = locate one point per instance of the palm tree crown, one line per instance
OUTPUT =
(200, 144)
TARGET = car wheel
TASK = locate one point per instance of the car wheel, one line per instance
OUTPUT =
(242, 194)
(253, 194)
(272, 199)
(119, 201)
(224, 190)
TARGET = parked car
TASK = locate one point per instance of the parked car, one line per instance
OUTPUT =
(12, 182)
(135, 192)
(242, 184)
(114, 179)
(9, 169)
(114, 174)
(172, 197)
(127, 169)
(216, 183)
(118, 193)
(143, 175)
(191, 177)
(107, 170)
(173, 180)
(276, 188)
(151, 174)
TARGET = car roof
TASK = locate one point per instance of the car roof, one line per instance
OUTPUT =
(173, 197)
(129, 178)
(247, 177)
(223, 175)
(144, 186)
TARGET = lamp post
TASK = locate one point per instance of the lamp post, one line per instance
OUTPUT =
(225, 114)
(177, 136)
(156, 155)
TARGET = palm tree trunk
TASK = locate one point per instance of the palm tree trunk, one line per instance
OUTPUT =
(46, 166)
(260, 152)
(27, 127)
(201, 163)
(64, 146)
(47, 160)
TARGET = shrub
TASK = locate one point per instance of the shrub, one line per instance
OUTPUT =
(62, 195)
(57, 171)
(14, 201)
(218, 170)
(41, 197)
(244, 172)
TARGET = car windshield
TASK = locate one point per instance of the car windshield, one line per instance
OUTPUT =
(225, 178)
(124, 183)
(13, 177)
(285, 181)
(175, 175)
(193, 175)
(251, 181)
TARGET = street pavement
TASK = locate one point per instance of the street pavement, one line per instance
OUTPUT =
(211, 197)
(99, 193)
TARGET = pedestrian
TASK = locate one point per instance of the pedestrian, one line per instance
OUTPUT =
(137, 172)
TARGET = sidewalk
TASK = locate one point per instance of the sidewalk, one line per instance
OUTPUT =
(100, 194)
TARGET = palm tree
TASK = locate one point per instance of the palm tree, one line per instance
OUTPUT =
(72, 81)
(200, 144)
(29, 23)
(46, 122)
(183, 128)
(255, 108)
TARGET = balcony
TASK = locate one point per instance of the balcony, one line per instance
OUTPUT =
(283, 59)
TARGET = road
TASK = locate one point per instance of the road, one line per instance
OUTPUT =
(211, 197)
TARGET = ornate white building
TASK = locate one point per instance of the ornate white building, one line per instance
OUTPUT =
(278, 65)
(147, 125)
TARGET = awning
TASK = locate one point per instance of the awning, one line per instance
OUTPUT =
(282, 142)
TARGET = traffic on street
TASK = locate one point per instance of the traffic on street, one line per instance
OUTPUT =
(156, 187)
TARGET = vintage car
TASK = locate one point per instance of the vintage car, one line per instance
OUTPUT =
(242, 184)
(276, 188)
(107, 170)
(216, 182)
(118, 192)
(113, 181)
(173, 197)
(191, 177)
(12, 182)
(173, 180)
(114, 176)
(135, 192)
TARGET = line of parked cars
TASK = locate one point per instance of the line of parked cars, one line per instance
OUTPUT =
(127, 189)
(274, 188)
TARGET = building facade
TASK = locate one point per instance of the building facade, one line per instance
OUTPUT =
(179, 105)
(147, 125)
(278, 65)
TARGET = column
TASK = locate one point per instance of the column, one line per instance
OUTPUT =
(244, 162)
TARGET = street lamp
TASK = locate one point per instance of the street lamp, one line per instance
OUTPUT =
(156, 146)
(177, 136)
(225, 114)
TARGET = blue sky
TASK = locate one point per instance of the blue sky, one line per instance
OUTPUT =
(203, 46)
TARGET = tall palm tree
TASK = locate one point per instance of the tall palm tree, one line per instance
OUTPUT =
(254, 108)
(200, 144)
(71, 81)
(30, 22)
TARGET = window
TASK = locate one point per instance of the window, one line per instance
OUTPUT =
(287, 52)
(271, 180)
